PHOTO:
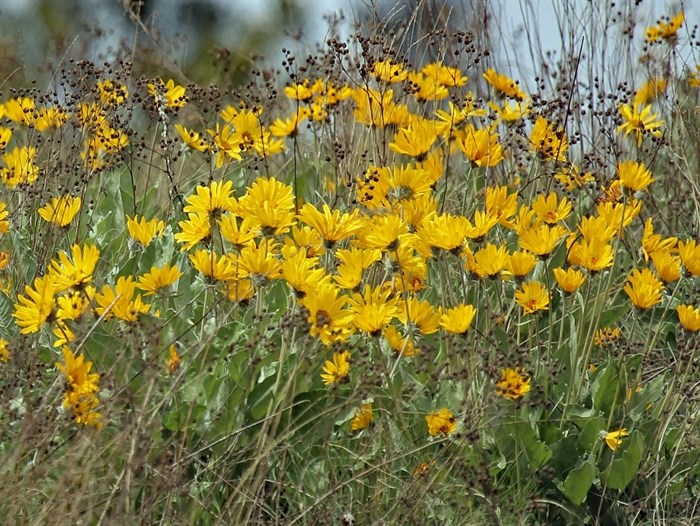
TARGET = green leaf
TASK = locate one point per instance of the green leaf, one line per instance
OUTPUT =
(622, 471)
(606, 388)
(590, 432)
(579, 481)
(537, 452)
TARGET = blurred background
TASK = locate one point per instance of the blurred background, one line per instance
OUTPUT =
(198, 40)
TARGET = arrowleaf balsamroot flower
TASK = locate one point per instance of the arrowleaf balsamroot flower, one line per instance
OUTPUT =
(639, 120)
(142, 230)
(689, 251)
(158, 278)
(168, 93)
(441, 423)
(664, 30)
(119, 301)
(402, 345)
(76, 274)
(550, 209)
(389, 71)
(214, 266)
(82, 385)
(488, 261)
(513, 384)
(337, 369)
(328, 318)
(504, 86)
(212, 200)
(666, 265)
(652, 242)
(419, 313)
(332, 226)
(532, 297)
(547, 141)
(416, 140)
(373, 310)
(480, 146)
(541, 240)
(569, 280)
(643, 288)
(594, 255)
(61, 210)
(606, 336)
(457, 320)
(634, 176)
(614, 438)
(363, 418)
(519, 264)
(20, 167)
(270, 204)
(4, 223)
(501, 205)
(34, 309)
(194, 230)
(689, 317)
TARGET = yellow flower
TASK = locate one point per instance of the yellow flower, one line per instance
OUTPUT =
(457, 320)
(373, 310)
(541, 240)
(270, 205)
(550, 209)
(337, 369)
(444, 75)
(667, 266)
(83, 407)
(639, 120)
(606, 336)
(650, 90)
(594, 255)
(142, 230)
(192, 138)
(513, 384)
(389, 71)
(441, 422)
(488, 261)
(212, 200)
(532, 297)
(50, 117)
(480, 146)
(652, 242)
(37, 306)
(167, 94)
(416, 140)
(4, 353)
(20, 167)
(112, 94)
(332, 226)
(159, 278)
(211, 265)
(634, 176)
(548, 141)
(572, 179)
(520, 264)
(77, 372)
(689, 251)
(327, 317)
(569, 280)
(511, 111)
(399, 344)
(419, 313)
(61, 210)
(75, 274)
(258, 262)
(614, 438)
(505, 86)
(424, 87)
(290, 127)
(643, 288)
(194, 230)
(501, 205)
(689, 317)
(173, 360)
(299, 91)
(665, 30)
(363, 418)
(5, 134)
(20, 110)
(4, 223)
(119, 301)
